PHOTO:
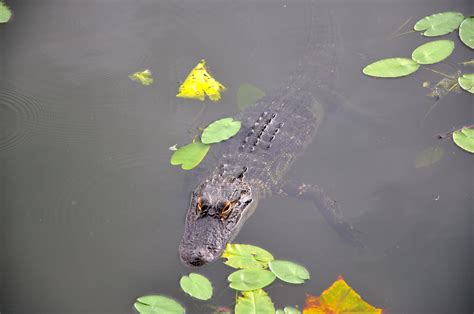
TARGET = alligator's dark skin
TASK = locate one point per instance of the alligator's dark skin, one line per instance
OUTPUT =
(252, 164)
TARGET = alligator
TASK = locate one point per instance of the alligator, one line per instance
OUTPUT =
(251, 165)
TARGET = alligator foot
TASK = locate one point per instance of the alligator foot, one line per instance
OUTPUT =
(328, 207)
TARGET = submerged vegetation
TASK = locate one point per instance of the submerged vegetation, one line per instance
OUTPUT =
(257, 270)
(144, 77)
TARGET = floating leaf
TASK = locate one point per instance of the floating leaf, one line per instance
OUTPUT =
(428, 156)
(197, 286)
(254, 302)
(5, 13)
(246, 256)
(433, 52)
(220, 130)
(250, 279)
(466, 32)
(200, 83)
(439, 24)
(288, 310)
(466, 81)
(464, 138)
(248, 95)
(392, 67)
(190, 155)
(157, 304)
(143, 77)
(288, 271)
(337, 299)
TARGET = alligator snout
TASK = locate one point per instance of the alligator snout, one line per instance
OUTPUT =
(197, 257)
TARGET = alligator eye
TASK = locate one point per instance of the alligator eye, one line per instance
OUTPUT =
(226, 210)
(199, 206)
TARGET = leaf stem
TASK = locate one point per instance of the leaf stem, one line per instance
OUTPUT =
(448, 134)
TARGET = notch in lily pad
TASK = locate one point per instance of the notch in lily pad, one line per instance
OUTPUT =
(157, 304)
(190, 155)
(143, 77)
(5, 13)
(197, 286)
(220, 130)
(391, 68)
(254, 302)
(439, 24)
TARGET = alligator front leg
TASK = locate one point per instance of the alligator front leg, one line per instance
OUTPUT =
(327, 206)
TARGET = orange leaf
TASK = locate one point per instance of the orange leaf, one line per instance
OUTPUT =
(337, 299)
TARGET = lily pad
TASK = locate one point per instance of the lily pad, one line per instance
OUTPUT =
(200, 83)
(429, 156)
(464, 138)
(190, 155)
(158, 304)
(5, 13)
(466, 81)
(144, 77)
(246, 256)
(439, 24)
(466, 32)
(250, 279)
(289, 272)
(220, 130)
(248, 95)
(288, 310)
(254, 302)
(197, 286)
(433, 52)
(391, 67)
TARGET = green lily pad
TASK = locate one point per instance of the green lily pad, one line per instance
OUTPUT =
(289, 272)
(466, 32)
(246, 256)
(220, 130)
(391, 67)
(250, 279)
(158, 304)
(5, 13)
(466, 81)
(428, 156)
(190, 155)
(143, 77)
(248, 95)
(433, 52)
(197, 286)
(464, 138)
(288, 310)
(254, 302)
(439, 24)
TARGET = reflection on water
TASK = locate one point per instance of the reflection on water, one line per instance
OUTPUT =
(92, 212)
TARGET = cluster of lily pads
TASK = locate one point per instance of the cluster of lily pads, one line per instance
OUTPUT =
(432, 52)
(257, 268)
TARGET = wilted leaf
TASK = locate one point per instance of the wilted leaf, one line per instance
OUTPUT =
(288, 271)
(5, 13)
(254, 302)
(464, 138)
(466, 32)
(439, 24)
(445, 86)
(143, 77)
(157, 304)
(433, 52)
(337, 299)
(428, 156)
(250, 279)
(200, 83)
(288, 310)
(220, 130)
(248, 95)
(466, 81)
(197, 286)
(246, 256)
(392, 67)
(190, 155)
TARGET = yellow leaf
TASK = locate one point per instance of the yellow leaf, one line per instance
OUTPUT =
(200, 83)
(337, 299)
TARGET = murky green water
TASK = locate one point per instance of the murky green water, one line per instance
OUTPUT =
(92, 212)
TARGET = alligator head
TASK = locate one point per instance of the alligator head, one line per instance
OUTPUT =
(218, 209)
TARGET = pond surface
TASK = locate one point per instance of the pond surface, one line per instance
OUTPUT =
(92, 212)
